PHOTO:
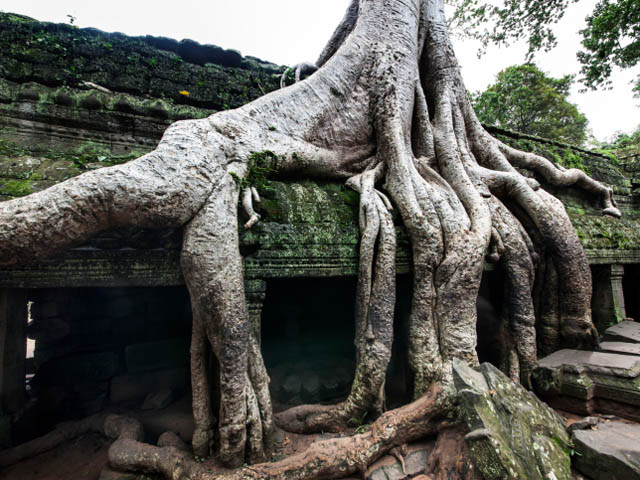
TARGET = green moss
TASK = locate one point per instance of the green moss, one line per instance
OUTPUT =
(16, 188)
(261, 165)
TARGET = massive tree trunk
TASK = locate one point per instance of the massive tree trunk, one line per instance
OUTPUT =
(386, 110)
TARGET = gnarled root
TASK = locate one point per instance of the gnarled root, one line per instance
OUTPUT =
(213, 271)
(113, 426)
(375, 302)
(326, 459)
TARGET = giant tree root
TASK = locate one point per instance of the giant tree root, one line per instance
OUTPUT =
(113, 426)
(326, 459)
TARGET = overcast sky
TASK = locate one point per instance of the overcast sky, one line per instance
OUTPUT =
(289, 31)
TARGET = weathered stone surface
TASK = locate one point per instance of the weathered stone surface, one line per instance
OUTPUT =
(160, 399)
(513, 435)
(139, 65)
(608, 451)
(589, 382)
(623, 348)
(171, 439)
(389, 467)
(626, 331)
(578, 361)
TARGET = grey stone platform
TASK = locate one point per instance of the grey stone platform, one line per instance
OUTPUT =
(621, 348)
(608, 451)
(627, 331)
(588, 382)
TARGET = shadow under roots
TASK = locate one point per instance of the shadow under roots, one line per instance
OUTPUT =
(307, 332)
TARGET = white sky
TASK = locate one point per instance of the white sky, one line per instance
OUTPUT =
(289, 31)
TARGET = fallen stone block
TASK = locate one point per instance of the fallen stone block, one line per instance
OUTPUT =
(589, 382)
(626, 331)
(608, 450)
(513, 435)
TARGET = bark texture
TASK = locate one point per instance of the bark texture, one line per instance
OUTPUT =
(386, 110)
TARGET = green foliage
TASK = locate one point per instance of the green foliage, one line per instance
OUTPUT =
(505, 21)
(11, 149)
(289, 76)
(623, 141)
(612, 36)
(358, 423)
(525, 99)
(16, 188)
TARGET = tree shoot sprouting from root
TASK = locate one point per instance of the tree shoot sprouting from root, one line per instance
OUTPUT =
(386, 111)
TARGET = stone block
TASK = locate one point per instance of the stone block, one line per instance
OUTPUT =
(622, 348)
(626, 331)
(415, 461)
(386, 468)
(513, 435)
(608, 451)
(164, 354)
(389, 468)
(588, 382)
(136, 386)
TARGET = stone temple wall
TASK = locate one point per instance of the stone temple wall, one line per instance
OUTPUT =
(111, 317)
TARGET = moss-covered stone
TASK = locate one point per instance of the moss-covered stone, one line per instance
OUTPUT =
(513, 435)
(60, 54)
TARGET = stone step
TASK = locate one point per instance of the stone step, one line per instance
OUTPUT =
(590, 382)
(622, 348)
(627, 331)
(608, 450)
(578, 361)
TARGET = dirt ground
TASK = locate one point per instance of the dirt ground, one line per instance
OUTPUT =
(80, 459)
(85, 457)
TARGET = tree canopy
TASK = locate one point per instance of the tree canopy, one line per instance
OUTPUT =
(612, 36)
(623, 140)
(525, 99)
